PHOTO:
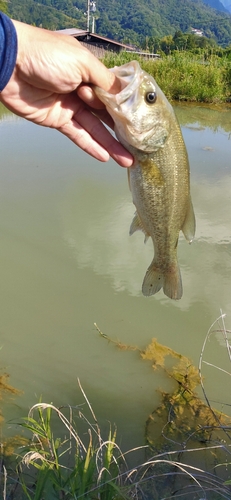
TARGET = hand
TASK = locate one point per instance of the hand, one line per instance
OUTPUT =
(50, 67)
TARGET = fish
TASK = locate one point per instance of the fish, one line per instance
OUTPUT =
(159, 179)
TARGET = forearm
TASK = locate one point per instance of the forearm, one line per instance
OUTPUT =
(8, 50)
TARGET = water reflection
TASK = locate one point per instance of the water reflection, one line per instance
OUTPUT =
(67, 261)
(106, 247)
(201, 117)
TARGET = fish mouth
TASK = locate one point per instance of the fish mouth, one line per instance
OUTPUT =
(130, 76)
(133, 125)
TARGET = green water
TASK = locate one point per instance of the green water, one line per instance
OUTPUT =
(67, 261)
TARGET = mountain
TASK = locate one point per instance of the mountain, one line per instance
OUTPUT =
(130, 21)
(218, 5)
(227, 4)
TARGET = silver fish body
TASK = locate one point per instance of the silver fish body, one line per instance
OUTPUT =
(146, 125)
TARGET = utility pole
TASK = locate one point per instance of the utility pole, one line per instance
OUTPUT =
(88, 15)
(91, 8)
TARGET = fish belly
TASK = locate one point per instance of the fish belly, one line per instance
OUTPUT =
(161, 211)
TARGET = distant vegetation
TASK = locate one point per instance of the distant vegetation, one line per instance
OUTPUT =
(132, 21)
(128, 21)
(45, 14)
(183, 42)
(196, 68)
(3, 6)
(185, 76)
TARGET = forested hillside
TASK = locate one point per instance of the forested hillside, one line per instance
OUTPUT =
(133, 19)
(130, 21)
(50, 14)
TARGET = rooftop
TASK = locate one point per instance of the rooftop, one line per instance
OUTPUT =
(79, 33)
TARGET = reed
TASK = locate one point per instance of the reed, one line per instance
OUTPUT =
(184, 76)
(71, 467)
(51, 468)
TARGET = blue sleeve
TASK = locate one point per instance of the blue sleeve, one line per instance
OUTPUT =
(8, 49)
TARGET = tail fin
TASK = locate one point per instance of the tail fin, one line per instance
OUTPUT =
(170, 281)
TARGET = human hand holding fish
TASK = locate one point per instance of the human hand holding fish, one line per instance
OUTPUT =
(40, 73)
(146, 125)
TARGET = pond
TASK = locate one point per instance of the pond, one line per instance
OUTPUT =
(67, 262)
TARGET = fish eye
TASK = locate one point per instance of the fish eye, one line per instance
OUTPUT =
(150, 97)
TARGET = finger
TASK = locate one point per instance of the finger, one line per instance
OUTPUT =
(83, 140)
(90, 135)
(94, 72)
(102, 136)
(87, 95)
(104, 116)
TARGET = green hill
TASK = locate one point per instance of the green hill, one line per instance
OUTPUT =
(130, 21)
(138, 18)
(46, 13)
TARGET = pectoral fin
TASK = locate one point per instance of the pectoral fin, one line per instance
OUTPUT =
(189, 225)
(137, 225)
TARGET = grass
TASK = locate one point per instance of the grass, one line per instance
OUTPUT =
(92, 467)
(69, 469)
(184, 76)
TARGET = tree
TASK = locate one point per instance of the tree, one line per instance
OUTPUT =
(167, 44)
(3, 6)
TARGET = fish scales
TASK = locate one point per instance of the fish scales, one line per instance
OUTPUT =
(159, 178)
(161, 204)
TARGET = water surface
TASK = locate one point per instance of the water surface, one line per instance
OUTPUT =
(67, 261)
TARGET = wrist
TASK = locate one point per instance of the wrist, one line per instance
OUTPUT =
(8, 49)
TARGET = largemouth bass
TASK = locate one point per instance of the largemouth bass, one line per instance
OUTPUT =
(146, 125)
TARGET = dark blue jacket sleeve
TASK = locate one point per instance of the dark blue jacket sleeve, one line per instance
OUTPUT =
(8, 49)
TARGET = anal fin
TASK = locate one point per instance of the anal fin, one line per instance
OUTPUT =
(189, 225)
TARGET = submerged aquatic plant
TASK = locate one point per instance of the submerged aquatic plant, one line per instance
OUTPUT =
(73, 467)
(6, 388)
(182, 417)
(183, 426)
